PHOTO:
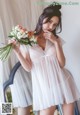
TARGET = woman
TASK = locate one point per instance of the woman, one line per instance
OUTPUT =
(52, 84)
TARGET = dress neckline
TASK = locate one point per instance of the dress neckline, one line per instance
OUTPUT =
(44, 47)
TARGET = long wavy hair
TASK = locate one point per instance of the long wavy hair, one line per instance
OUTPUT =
(49, 12)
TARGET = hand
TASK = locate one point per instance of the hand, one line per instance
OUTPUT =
(49, 35)
(15, 44)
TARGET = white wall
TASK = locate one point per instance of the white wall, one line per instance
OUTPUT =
(71, 34)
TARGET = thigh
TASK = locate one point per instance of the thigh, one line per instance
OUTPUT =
(49, 111)
(68, 109)
(24, 110)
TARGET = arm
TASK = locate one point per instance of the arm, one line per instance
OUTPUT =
(60, 54)
(58, 46)
(22, 55)
(24, 60)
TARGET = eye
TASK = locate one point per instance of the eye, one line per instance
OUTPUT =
(49, 21)
(55, 24)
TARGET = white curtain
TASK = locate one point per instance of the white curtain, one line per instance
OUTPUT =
(15, 12)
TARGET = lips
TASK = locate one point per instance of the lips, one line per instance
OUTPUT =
(50, 30)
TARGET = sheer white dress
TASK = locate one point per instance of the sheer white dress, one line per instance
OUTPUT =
(51, 84)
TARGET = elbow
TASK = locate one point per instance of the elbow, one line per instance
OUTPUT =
(29, 68)
(63, 63)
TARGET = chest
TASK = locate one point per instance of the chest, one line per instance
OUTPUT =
(37, 52)
(42, 43)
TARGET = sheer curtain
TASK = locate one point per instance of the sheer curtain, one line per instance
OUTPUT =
(15, 12)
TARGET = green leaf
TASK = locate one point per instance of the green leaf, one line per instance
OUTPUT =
(10, 36)
(8, 53)
(4, 53)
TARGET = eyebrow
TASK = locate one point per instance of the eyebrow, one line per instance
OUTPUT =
(52, 21)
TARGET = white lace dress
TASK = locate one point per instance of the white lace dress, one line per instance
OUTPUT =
(51, 84)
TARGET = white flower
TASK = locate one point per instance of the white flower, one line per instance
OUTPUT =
(19, 35)
(33, 39)
(25, 35)
(26, 32)
(15, 32)
(17, 28)
(21, 32)
(12, 33)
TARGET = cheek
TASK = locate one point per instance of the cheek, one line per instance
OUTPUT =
(54, 27)
(45, 26)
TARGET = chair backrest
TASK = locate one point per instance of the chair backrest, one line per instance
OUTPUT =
(11, 78)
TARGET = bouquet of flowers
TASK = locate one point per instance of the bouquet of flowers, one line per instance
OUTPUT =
(22, 36)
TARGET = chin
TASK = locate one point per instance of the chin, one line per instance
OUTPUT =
(45, 30)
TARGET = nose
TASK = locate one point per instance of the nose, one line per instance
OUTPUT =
(51, 27)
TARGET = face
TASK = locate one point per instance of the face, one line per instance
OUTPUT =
(51, 24)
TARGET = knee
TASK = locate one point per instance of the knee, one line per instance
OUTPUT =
(48, 111)
(24, 111)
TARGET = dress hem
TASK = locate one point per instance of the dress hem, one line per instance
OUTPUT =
(22, 106)
(56, 105)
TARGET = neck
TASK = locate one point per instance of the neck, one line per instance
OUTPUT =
(41, 34)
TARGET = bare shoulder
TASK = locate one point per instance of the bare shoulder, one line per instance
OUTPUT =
(61, 41)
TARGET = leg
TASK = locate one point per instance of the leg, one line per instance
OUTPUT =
(24, 111)
(68, 109)
(49, 111)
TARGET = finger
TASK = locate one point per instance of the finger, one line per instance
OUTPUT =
(14, 38)
(46, 34)
(47, 31)
(12, 41)
(47, 37)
